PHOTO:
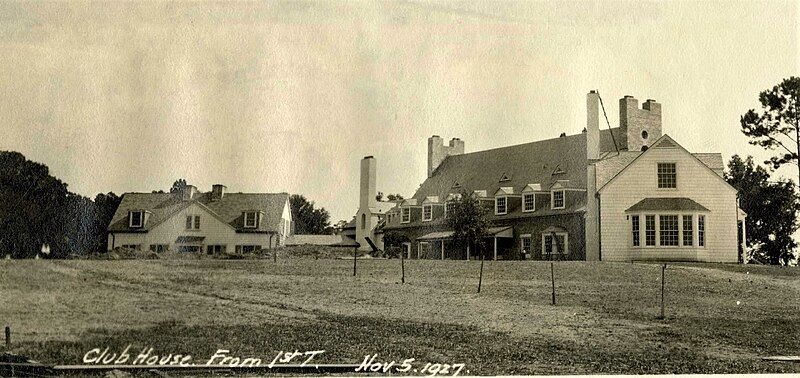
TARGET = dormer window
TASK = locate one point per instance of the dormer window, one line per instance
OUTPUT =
(557, 199)
(528, 202)
(405, 215)
(500, 205)
(136, 219)
(251, 219)
(427, 213)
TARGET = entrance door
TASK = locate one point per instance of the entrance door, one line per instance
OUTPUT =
(407, 250)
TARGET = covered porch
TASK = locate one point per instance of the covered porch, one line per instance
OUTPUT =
(440, 245)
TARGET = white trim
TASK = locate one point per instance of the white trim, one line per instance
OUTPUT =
(141, 219)
(553, 199)
(497, 207)
(430, 215)
(566, 242)
(246, 224)
(533, 195)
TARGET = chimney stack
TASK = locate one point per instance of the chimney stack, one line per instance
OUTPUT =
(437, 151)
(217, 192)
(368, 185)
(188, 192)
(592, 126)
(639, 127)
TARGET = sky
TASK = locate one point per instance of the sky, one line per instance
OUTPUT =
(289, 96)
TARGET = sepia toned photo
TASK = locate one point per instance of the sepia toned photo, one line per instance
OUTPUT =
(399, 188)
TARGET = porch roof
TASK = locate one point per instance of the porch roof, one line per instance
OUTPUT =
(666, 204)
(499, 232)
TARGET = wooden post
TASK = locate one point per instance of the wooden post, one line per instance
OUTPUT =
(355, 251)
(403, 264)
(480, 277)
(553, 282)
(8, 337)
(442, 249)
(495, 248)
(663, 270)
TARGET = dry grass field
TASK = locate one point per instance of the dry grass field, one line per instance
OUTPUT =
(720, 318)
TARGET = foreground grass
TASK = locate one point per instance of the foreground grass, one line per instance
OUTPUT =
(720, 319)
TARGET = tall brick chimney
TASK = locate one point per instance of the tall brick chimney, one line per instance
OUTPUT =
(217, 192)
(639, 127)
(437, 151)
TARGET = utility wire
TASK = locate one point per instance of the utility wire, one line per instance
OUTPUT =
(608, 123)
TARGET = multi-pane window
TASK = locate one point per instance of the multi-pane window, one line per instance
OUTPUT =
(667, 176)
(193, 222)
(526, 244)
(136, 219)
(251, 219)
(687, 230)
(427, 212)
(247, 248)
(559, 247)
(649, 230)
(159, 248)
(635, 230)
(190, 248)
(500, 205)
(701, 230)
(448, 208)
(405, 215)
(558, 199)
(215, 249)
(668, 230)
(528, 202)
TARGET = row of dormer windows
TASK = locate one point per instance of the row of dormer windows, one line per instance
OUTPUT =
(136, 219)
(501, 206)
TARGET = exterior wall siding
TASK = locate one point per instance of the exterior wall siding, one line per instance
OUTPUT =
(694, 181)
(213, 230)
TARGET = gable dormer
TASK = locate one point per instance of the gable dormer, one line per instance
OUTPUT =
(558, 195)
(138, 218)
(529, 197)
(428, 208)
(251, 219)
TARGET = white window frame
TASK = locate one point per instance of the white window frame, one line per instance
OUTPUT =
(676, 175)
(497, 205)
(659, 230)
(141, 219)
(405, 215)
(429, 210)
(194, 223)
(553, 199)
(522, 243)
(566, 242)
(524, 208)
(255, 219)
(637, 232)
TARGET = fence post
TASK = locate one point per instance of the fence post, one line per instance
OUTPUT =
(355, 251)
(8, 337)
(663, 270)
(403, 267)
(553, 282)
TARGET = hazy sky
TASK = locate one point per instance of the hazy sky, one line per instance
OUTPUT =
(288, 96)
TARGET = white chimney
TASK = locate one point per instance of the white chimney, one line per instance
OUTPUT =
(217, 192)
(592, 126)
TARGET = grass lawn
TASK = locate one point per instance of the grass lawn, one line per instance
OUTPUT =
(720, 318)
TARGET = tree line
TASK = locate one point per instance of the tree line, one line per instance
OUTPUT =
(38, 210)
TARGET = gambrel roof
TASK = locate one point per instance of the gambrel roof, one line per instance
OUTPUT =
(228, 209)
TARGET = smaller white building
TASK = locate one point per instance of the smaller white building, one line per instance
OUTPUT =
(194, 222)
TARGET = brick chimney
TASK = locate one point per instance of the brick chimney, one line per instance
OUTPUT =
(639, 127)
(217, 192)
(437, 151)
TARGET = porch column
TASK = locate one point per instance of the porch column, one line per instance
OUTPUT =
(495, 248)
(442, 249)
(467, 251)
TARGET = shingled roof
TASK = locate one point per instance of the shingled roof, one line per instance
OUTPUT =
(229, 209)
(543, 162)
